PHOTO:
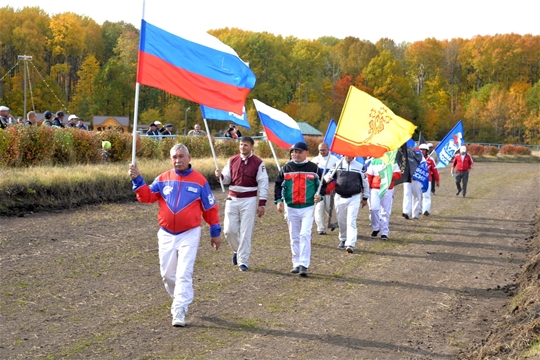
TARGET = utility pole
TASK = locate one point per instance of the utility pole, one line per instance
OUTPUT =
(25, 58)
(185, 123)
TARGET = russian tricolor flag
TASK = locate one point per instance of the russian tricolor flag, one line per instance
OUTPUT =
(193, 65)
(279, 127)
(221, 115)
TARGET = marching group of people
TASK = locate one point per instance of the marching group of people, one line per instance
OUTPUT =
(304, 190)
(50, 119)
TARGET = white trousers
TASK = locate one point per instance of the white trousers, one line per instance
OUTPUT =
(347, 212)
(321, 209)
(426, 200)
(177, 255)
(238, 226)
(300, 223)
(412, 197)
(380, 210)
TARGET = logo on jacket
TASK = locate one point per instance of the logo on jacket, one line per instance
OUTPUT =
(192, 189)
(167, 190)
(211, 199)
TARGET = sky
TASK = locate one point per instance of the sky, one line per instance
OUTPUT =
(398, 20)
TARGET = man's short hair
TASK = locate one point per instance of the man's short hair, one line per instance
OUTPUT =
(248, 139)
(177, 147)
(31, 114)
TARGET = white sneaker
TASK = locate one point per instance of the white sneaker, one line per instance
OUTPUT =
(179, 318)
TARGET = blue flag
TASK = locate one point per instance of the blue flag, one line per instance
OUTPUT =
(222, 115)
(422, 174)
(445, 150)
(329, 137)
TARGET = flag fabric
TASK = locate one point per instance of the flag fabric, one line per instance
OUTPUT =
(408, 160)
(388, 159)
(222, 115)
(367, 127)
(193, 65)
(421, 139)
(279, 127)
(448, 146)
(329, 137)
(422, 174)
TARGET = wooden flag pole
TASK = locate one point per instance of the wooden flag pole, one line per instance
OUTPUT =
(213, 151)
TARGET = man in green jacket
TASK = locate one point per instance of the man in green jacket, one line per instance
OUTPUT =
(297, 185)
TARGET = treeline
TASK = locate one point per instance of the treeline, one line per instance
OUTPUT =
(490, 82)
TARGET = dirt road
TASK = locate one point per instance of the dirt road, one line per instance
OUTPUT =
(86, 284)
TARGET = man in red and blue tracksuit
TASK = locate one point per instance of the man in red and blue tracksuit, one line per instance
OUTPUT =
(184, 197)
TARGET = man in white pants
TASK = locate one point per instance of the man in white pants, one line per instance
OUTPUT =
(184, 198)
(352, 190)
(246, 175)
(296, 186)
(381, 207)
(433, 176)
(325, 161)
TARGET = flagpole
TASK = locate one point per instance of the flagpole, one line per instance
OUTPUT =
(136, 107)
(135, 119)
(324, 171)
(213, 152)
(274, 153)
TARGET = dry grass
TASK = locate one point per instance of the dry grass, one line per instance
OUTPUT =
(54, 187)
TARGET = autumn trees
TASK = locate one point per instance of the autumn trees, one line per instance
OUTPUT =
(491, 82)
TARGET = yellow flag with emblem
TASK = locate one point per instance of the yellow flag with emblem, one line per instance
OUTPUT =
(367, 127)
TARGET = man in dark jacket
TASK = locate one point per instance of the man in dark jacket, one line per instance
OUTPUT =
(154, 132)
(296, 186)
(48, 116)
(59, 119)
(352, 190)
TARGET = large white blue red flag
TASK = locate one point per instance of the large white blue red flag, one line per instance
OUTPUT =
(191, 64)
(222, 115)
(446, 149)
(279, 127)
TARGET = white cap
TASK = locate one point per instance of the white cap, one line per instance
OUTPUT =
(430, 145)
(4, 108)
(463, 149)
(157, 122)
(72, 116)
(423, 147)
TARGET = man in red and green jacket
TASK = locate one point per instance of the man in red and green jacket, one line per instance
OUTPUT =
(297, 185)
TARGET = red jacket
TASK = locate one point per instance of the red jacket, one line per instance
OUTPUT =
(432, 169)
(463, 163)
(184, 198)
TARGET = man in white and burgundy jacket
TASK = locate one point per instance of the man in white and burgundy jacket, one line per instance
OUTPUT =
(246, 175)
